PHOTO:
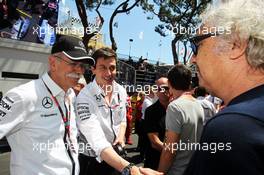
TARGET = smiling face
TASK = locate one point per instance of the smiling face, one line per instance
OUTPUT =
(64, 71)
(105, 71)
(163, 91)
(211, 63)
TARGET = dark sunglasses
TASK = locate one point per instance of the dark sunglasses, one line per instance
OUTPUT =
(73, 64)
(163, 88)
(197, 39)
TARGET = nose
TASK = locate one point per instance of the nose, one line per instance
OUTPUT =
(79, 69)
(108, 72)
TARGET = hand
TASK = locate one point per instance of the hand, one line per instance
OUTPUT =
(148, 171)
(134, 171)
(120, 141)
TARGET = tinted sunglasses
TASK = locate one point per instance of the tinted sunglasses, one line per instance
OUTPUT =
(163, 88)
(197, 39)
(73, 64)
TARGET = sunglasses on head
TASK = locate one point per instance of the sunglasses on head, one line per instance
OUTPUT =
(197, 39)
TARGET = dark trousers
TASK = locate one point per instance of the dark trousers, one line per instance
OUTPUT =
(90, 166)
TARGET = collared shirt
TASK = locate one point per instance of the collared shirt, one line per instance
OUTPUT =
(34, 128)
(99, 123)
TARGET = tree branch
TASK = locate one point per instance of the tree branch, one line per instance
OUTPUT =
(99, 14)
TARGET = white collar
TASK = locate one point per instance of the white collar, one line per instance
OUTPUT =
(54, 87)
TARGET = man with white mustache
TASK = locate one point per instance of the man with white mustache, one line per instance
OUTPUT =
(38, 117)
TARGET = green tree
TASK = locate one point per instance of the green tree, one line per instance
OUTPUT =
(176, 16)
(121, 8)
(90, 4)
(96, 4)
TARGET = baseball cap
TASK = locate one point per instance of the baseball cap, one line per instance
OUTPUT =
(73, 48)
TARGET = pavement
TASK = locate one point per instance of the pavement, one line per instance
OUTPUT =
(132, 156)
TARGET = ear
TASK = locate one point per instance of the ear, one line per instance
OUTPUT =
(93, 69)
(238, 49)
(52, 63)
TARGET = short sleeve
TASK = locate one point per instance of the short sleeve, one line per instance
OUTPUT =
(174, 118)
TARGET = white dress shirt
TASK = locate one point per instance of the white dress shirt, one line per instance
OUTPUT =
(99, 123)
(34, 128)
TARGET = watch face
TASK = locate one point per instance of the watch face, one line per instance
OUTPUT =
(126, 171)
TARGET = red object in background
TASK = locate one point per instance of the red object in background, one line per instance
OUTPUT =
(129, 122)
(139, 109)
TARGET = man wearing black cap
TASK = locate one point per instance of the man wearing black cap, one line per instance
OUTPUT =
(38, 117)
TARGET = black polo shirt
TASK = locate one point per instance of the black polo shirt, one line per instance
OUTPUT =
(154, 123)
(236, 135)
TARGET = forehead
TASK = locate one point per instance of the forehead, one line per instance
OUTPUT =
(106, 61)
(207, 29)
(162, 81)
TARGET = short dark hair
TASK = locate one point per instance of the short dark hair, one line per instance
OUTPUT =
(200, 91)
(180, 77)
(104, 52)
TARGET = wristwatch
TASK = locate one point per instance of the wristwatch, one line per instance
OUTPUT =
(126, 170)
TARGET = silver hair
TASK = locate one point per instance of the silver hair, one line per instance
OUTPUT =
(242, 19)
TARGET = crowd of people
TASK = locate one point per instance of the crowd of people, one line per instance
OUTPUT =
(182, 130)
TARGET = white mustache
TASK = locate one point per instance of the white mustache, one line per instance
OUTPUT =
(74, 75)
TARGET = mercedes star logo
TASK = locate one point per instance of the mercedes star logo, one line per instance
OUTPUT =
(47, 102)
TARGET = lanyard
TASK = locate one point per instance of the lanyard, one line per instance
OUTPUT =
(65, 118)
(66, 121)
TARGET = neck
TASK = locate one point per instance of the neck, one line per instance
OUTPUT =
(236, 91)
(178, 93)
(55, 79)
(241, 82)
(164, 103)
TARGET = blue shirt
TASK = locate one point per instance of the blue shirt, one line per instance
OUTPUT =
(235, 137)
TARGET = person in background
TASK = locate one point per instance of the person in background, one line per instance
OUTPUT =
(208, 107)
(139, 129)
(38, 117)
(155, 124)
(129, 122)
(78, 87)
(184, 122)
(148, 100)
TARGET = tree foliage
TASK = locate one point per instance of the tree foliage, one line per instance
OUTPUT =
(121, 8)
(176, 17)
(96, 4)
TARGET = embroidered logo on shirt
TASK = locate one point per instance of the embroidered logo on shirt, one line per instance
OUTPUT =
(98, 98)
(47, 102)
(2, 114)
(83, 111)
